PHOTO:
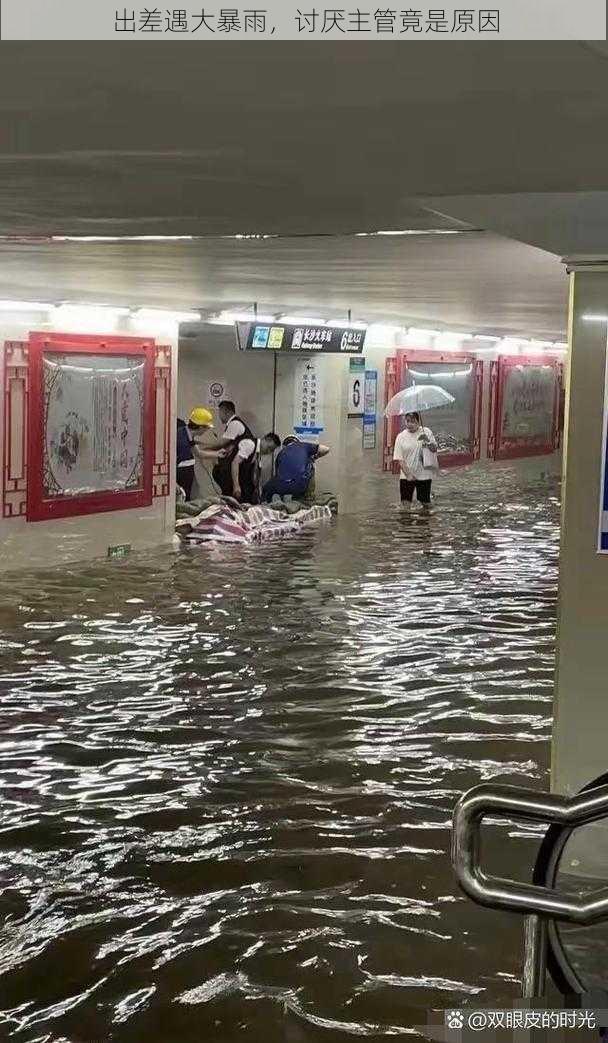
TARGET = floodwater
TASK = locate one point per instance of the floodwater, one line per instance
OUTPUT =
(227, 776)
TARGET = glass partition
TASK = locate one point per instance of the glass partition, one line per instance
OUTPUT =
(456, 426)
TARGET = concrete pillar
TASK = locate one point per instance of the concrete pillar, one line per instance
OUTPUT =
(580, 734)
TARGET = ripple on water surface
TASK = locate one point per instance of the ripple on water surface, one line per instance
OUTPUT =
(227, 777)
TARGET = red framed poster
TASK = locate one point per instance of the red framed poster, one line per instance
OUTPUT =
(524, 406)
(456, 427)
(91, 424)
(16, 394)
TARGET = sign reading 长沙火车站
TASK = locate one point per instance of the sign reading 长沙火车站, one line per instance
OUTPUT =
(282, 337)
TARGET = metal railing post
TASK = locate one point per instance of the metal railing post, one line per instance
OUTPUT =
(537, 903)
(535, 957)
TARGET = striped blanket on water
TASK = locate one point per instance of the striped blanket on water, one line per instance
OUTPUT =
(223, 524)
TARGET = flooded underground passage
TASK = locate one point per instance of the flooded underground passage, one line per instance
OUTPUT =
(303, 524)
(228, 773)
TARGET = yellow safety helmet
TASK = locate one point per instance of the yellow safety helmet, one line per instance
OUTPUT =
(201, 416)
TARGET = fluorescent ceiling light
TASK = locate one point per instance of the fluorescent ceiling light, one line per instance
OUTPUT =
(595, 318)
(301, 320)
(348, 325)
(379, 329)
(415, 331)
(139, 238)
(482, 336)
(243, 317)
(228, 318)
(150, 314)
(119, 238)
(560, 346)
(86, 318)
(414, 231)
(106, 309)
(24, 306)
(233, 235)
(456, 336)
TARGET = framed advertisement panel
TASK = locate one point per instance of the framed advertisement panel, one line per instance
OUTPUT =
(456, 427)
(524, 406)
(91, 424)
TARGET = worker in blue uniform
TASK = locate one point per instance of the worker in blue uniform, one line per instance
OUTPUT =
(294, 468)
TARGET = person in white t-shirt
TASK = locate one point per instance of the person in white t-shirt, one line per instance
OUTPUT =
(414, 476)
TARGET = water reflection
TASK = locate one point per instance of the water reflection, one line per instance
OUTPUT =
(227, 778)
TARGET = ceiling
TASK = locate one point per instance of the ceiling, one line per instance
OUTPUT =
(476, 282)
(313, 142)
(289, 137)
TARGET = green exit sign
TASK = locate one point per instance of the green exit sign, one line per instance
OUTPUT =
(121, 551)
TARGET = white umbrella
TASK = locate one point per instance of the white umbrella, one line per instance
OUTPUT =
(417, 399)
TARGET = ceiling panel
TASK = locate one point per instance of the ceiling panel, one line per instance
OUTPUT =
(472, 280)
(289, 138)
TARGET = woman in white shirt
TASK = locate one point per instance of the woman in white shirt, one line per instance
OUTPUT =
(414, 476)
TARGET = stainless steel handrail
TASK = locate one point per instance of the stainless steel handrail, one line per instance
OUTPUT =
(528, 806)
(536, 903)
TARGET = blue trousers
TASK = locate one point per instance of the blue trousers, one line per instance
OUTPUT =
(281, 488)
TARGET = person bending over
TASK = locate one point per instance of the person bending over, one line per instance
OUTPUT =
(295, 469)
(226, 474)
(237, 468)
